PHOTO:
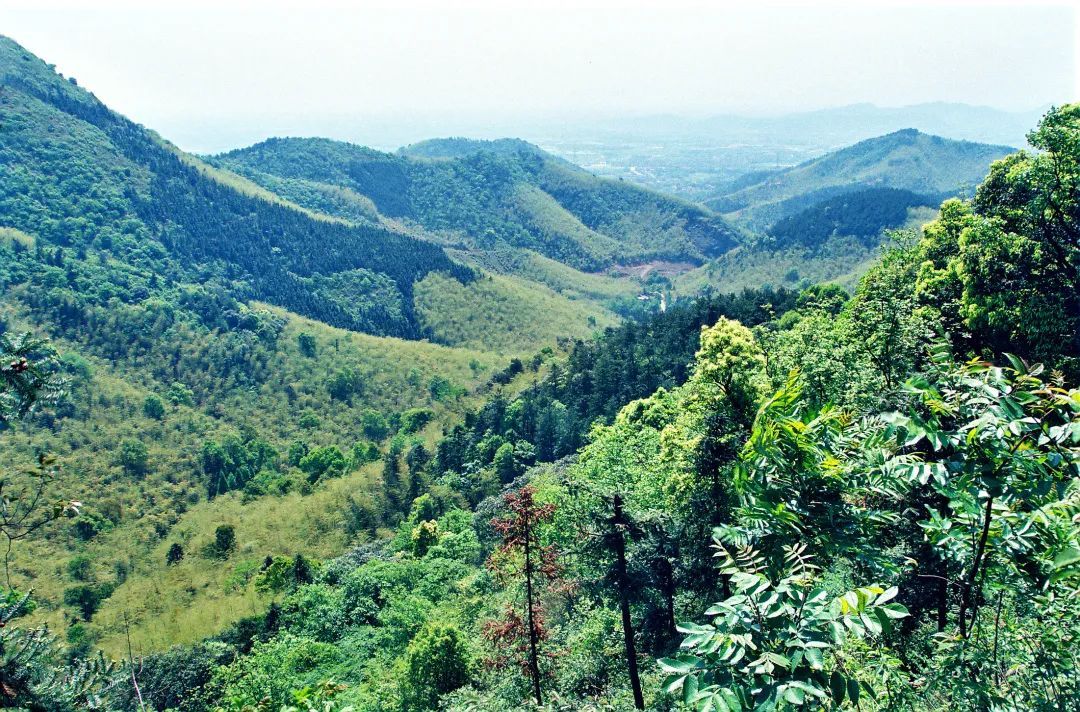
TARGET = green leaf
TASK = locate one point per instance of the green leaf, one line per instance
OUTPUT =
(853, 692)
(681, 664)
(1068, 557)
(838, 687)
(894, 610)
(794, 695)
(674, 683)
(690, 689)
(887, 596)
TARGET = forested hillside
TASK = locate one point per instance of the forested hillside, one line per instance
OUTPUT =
(486, 194)
(83, 180)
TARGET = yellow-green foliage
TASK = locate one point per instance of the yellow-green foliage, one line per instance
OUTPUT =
(9, 235)
(552, 219)
(200, 596)
(573, 283)
(143, 515)
(503, 314)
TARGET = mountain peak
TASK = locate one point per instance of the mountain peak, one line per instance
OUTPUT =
(459, 147)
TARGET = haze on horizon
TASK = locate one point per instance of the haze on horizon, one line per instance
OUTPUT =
(210, 76)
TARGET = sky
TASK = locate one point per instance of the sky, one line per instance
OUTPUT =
(192, 68)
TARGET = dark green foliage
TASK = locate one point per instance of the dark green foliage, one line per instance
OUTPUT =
(230, 464)
(174, 679)
(153, 408)
(80, 568)
(86, 598)
(323, 462)
(343, 385)
(175, 554)
(224, 542)
(307, 345)
(414, 419)
(624, 363)
(375, 425)
(864, 214)
(133, 457)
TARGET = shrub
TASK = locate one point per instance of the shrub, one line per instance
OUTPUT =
(134, 457)
(414, 419)
(437, 661)
(153, 408)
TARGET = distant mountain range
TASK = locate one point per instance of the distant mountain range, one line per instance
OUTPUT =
(908, 160)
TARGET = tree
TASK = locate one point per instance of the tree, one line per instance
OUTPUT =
(506, 468)
(424, 536)
(522, 558)
(28, 378)
(773, 641)
(307, 345)
(323, 462)
(619, 526)
(28, 375)
(134, 457)
(374, 425)
(437, 661)
(224, 541)
(175, 554)
(153, 408)
(343, 385)
(179, 394)
(1007, 266)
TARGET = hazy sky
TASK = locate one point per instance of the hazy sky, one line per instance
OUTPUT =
(166, 64)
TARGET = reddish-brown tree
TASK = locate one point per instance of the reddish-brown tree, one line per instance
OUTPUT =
(523, 559)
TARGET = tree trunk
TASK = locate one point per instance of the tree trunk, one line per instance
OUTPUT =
(534, 663)
(624, 604)
(968, 595)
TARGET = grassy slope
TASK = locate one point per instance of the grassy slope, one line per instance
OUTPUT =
(503, 314)
(164, 604)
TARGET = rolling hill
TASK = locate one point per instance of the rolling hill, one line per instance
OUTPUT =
(907, 160)
(486, 194)
(77, 175)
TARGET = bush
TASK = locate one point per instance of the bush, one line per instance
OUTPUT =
(307, 344)
(374, 425)
(414, 419)
(323, 462)
(86, 598)
(134, 457)
(79, 568)
(224, 542)
(437, 661)
(153, 408)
